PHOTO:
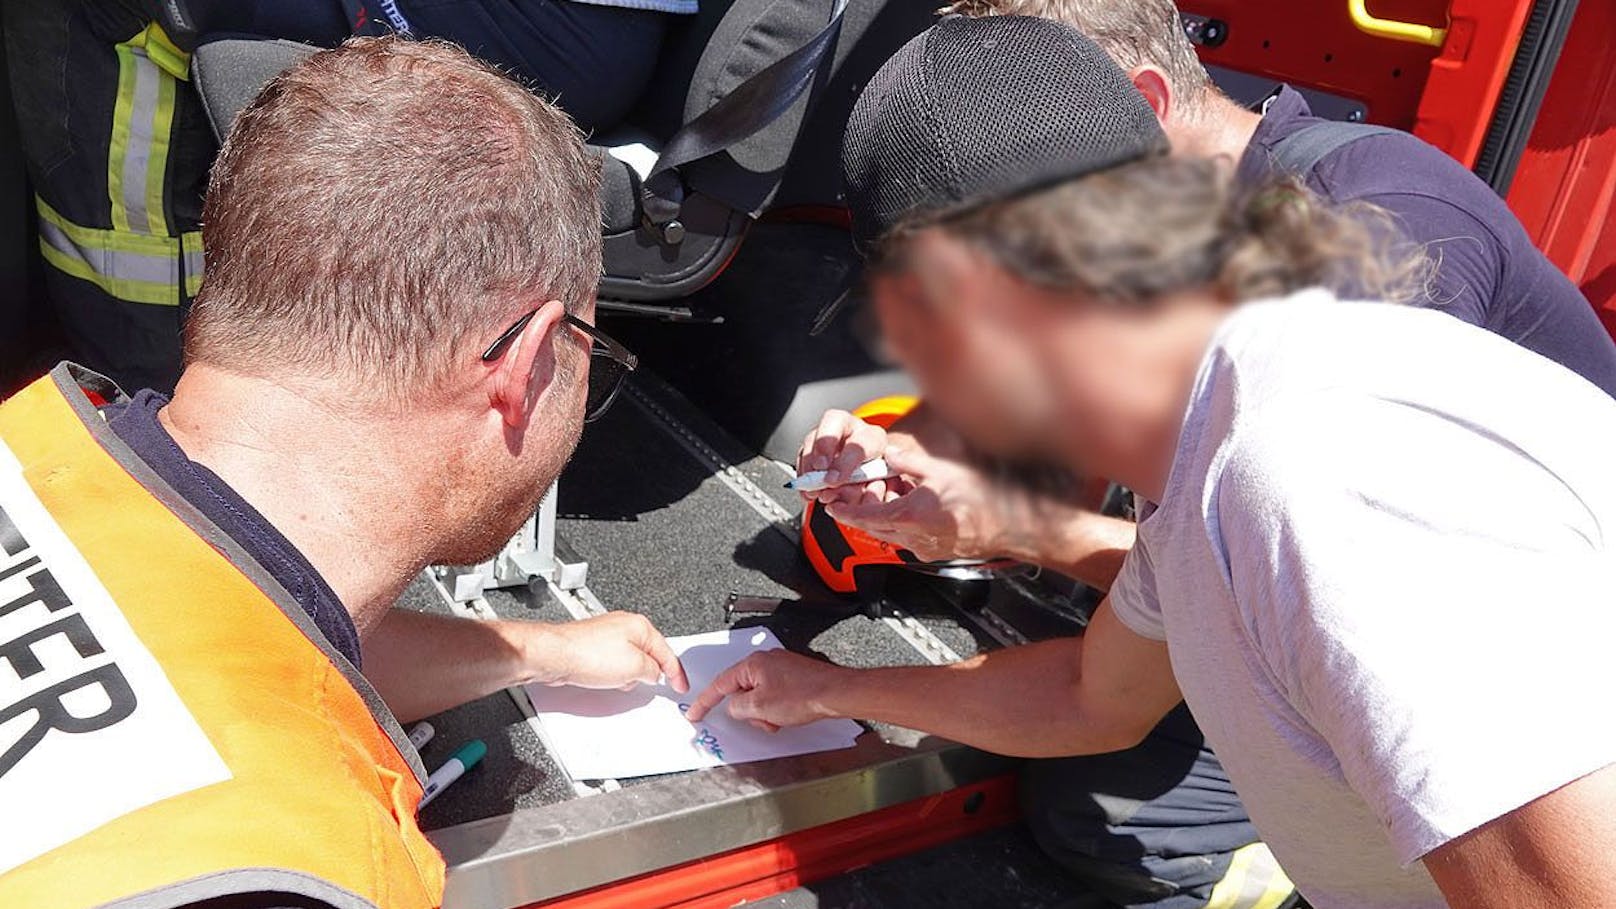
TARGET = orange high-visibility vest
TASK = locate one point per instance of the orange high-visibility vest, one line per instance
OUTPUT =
(170, 720)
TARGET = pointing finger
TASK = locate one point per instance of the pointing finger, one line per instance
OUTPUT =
(727, 683)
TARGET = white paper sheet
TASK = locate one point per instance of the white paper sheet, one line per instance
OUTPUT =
(619, 734)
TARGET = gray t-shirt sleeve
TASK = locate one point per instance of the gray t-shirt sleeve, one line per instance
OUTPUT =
(1431, 603)
(1133, 595)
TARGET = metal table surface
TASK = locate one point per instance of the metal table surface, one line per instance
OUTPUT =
(673, 516)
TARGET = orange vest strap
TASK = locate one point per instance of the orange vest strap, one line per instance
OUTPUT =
(77, 385)
(192, 734)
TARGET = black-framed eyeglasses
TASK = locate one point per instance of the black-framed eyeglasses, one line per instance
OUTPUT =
(609, 361)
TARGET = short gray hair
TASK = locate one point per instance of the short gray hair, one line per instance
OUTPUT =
(1133, 32)
(385, 207)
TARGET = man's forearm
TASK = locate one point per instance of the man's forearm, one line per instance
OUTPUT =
(422, 664)
(1074, 541)
(1020, 701)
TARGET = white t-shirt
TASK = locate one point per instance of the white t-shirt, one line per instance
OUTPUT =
(1381, 570)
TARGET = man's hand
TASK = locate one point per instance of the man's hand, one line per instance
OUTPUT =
(615, 650)
(1101, 692)
(772, 689)
(943, 507)
(938, 509)
(423, 663)
(838, 445)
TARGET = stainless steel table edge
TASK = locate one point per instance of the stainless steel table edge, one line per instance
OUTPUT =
(547, 851)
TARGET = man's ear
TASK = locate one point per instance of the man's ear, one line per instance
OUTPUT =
(527, 367)
(1152, 83)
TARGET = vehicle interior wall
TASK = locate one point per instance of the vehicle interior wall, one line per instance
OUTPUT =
(1315, 44)
(1565, 185)
(1443, 88)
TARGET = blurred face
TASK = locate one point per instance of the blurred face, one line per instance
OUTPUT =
(1036, 375)
(956, 323)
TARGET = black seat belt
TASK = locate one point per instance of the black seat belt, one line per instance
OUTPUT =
(744, 112)
(1298, 153)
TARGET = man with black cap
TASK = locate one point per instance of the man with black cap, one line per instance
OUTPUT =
(1158, 824)
(1327, 571)
(1487, 273)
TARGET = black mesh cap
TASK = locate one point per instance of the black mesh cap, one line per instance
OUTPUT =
(972, 111)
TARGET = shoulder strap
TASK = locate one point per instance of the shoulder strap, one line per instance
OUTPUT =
(744, 112)
(1301, 151)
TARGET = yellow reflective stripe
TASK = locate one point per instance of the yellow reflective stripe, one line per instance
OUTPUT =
(157, 156)
(191, 248)
(1227, 892)
(123, 288)
(1280, 887)
(118, 148)
(165, 54)
(130, 267)
(1254, 881)
(114, 240)
(142, 126)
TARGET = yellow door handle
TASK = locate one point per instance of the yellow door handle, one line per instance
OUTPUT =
(1391, 28)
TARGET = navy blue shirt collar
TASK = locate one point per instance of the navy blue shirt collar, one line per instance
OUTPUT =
(136, 423)
(1283, 113)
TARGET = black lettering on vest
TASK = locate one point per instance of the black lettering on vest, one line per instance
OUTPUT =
(24, 565)
(45, 589)
(10, 537)
(53, 714)
(20, 652)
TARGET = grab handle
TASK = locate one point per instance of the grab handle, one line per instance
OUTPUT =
(1391, 28)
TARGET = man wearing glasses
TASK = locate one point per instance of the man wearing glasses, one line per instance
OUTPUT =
(390, 361)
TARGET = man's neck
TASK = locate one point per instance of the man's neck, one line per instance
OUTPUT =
(1180, 340)
(1221, 128)
(328, 478)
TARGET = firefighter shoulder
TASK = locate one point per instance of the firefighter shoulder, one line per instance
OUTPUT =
(175, 730)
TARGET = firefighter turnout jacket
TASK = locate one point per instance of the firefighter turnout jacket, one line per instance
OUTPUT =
(118, 149)
(172, 726)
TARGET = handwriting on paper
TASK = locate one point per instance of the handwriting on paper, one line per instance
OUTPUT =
(705, 740)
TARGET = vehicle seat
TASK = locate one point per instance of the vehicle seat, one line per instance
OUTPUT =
(647, 267)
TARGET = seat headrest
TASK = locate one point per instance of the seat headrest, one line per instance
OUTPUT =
(230, 72)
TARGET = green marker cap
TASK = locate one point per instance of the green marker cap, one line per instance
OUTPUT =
(470, 753)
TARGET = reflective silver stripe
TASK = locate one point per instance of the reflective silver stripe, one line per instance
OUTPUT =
(142, 117)
(193, 261)
(112, 264)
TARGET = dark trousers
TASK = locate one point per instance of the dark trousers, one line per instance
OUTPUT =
(594, 61)
(1156, 825)
(66, 77)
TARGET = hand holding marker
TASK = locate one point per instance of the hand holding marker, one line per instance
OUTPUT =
(452, 769)
(868, 472)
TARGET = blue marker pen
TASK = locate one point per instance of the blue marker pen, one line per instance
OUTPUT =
(462, 760)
